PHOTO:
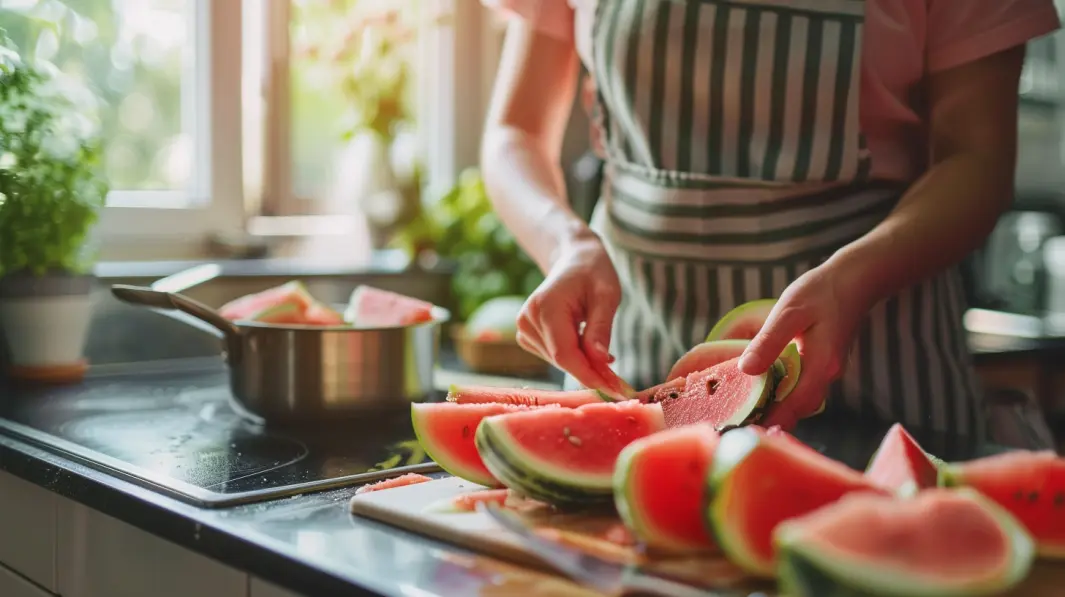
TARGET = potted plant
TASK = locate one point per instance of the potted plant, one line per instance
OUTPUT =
(52, 188)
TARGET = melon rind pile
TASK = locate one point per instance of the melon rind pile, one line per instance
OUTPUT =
(774, 507)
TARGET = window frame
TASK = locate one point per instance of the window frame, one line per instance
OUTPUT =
(243, 177)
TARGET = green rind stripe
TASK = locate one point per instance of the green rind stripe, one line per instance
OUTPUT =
(517, 475)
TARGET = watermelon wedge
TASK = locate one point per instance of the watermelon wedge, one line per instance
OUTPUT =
(371, 307)
(758, 481)
(900, 465)
(564, 456)
(322, 315)
(246, 307)
(1028, 484)
(521, 396)
(714, 352)
(721, 395)
(446, 432)
(743, 322)
(941, 543)
(658, 487)
(283, 314)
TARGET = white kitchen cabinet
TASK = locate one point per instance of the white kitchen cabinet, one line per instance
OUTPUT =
(100, 556)
(261, 588)
(13, 585)
(27, 531)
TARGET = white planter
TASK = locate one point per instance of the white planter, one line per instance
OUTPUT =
(45, 321)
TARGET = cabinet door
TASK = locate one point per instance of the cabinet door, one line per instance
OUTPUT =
(28, 523)
(261, 588)
(13, 585)
(100, 556)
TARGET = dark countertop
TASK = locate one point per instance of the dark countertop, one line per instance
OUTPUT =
(312, 545)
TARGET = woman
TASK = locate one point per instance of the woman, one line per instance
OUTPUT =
(842, 155)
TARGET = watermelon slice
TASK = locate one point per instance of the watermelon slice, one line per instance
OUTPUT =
(445, 431)
(758, 481)
(900, 466)
(743, 322)
(720, 395)
(1029, 484)
(521, 396)
(371, 307)
(246, 307)
(400, 481)
(658, 487)
(564, 456)
(322, 315)
(714, 352)
(283, 314)
(941, 543)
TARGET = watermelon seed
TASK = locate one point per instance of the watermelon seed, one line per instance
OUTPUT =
(573, 439)
(1019, 495)
(631, 420)
(674, 395)
(1059, 499)
(565, 431)
(711, 386)
(1033, 497)
(465, 431)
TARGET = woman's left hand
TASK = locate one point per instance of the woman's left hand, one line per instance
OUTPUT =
(821, 316)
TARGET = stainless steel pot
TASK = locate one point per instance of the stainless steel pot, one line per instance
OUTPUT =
(290, 373)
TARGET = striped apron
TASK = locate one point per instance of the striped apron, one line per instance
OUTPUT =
(734, 163)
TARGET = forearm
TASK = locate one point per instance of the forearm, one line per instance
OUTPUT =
(525, 182)
(942, 218)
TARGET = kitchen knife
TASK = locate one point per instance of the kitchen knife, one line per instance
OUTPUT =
(595, 572)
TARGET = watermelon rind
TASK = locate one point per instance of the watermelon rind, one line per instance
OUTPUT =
(627, 393)
(733, 448)
(522, 471)
(273, 313)
(436, 452)
(806, 570)
(791, 362)
(752, 314)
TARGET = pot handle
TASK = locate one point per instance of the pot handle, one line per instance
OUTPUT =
(173, 301)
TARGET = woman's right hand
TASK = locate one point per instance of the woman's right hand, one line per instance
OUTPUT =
(581, 287)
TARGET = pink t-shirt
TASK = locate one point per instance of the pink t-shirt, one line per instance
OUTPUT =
(904, 40)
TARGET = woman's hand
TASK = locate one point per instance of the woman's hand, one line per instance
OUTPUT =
(581, 287)
(817, 312)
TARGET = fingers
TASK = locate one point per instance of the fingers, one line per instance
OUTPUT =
(821, 366)
(602, 306)
(781, 327)
(552, 333)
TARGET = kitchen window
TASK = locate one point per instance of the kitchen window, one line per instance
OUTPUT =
(223, 116)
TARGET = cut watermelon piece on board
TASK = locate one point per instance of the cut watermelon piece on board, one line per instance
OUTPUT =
(758, 481)
(371, 307)
(400, 481)
(659, 482)
(941, 543)
(245, 307)
(446, 430)
(564, 456)
(521, 396)
(900, 465)
(721, 395)
(1029, 484)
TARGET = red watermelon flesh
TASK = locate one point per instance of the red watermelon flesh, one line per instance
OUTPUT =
(758, 481)
(400, 481)
(941, 542)
(283, 314)
(291, 293)
(371, 307)
(468, 502)
(900, 465)
(322, 315)
(721, 395)
(1029, 484)
(659, 482)
(445, 431)
(521, 396)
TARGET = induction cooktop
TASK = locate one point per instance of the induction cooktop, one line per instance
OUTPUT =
(169, 427)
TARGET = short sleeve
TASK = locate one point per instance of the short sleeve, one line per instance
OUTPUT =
(554, 17)
(963, 31)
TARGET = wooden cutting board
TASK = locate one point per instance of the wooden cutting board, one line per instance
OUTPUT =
(415, 508)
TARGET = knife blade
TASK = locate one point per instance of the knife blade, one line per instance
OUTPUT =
(600, 574)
